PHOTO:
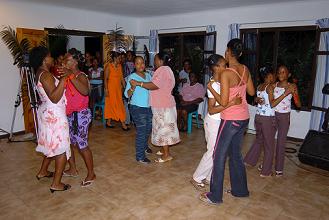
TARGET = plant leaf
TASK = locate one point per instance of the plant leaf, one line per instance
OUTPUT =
(16, 48)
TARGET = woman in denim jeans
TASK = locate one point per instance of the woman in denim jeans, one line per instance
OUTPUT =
(235, 81)
(140, 109)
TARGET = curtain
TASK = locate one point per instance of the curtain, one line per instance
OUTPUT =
(153, 45)
(209, 45)
(234, 31)
(322, 78)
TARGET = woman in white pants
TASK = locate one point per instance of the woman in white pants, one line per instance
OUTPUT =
(202, 174)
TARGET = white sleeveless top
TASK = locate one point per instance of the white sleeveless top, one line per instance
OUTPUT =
(216, 87)
(264, 109)
(285, 105)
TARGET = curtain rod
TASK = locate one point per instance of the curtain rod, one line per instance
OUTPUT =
(270, 22)
(167, 29)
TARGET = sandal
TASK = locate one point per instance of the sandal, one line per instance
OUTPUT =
(198, 186)
(206, 182)
(70, 175)
(49, 175)
(66, 187)
(86, 183)
(159, 153)
(278, 173)
(204, 198)
(160, 160)
(260, 167)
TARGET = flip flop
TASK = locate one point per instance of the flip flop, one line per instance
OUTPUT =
(159, 153)
(70, 175)
(204, 198)
(49, 175)
(160, 160)
(87, 183)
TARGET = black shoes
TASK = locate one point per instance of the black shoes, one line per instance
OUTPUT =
(145, 161)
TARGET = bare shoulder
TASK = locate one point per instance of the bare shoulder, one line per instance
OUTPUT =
(45, 75)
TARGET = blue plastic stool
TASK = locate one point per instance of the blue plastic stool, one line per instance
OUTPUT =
(101, 106)
(189, 121)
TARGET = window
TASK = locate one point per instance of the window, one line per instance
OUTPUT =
(294, 47)
(183, 46)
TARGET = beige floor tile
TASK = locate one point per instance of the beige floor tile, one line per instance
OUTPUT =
(125, 189)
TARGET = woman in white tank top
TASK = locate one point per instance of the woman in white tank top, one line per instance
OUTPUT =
(265, 126)
(202, 174)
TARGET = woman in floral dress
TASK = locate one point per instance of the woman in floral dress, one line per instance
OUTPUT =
(53, 140)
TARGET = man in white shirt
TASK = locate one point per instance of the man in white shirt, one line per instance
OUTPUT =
(184, 74)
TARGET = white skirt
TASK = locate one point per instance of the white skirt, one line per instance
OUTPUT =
(164, 127)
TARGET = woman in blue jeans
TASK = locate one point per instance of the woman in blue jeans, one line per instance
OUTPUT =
(140, 109)
(235, 81)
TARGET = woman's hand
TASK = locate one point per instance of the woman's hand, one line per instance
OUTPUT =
(237, 100)
(209, 85)
(259, 100)
(288, 90)
(106, 92)
(64, 72)
(133, 83)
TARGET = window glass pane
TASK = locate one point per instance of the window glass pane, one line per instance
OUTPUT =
(193, 50)
(171, 45)
(250, 41)
(266, 48)
(296, 51)
(250, 61)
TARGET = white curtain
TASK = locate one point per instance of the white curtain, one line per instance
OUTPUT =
(153, 45)
(208, 46)
(322, 78)
(234, 31)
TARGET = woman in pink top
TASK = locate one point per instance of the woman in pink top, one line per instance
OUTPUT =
(164, 121)
(235, 81)
(190, 96)
(79, 116)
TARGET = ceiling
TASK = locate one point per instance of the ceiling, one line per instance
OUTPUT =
(146, 8)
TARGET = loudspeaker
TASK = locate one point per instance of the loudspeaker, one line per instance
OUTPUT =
(315, 149)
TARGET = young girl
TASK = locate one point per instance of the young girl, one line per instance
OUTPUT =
(202, 174)
(280, 95)
(140, 109)
(265, 126)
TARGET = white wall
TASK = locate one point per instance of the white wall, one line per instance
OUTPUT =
(293, 11)
(38, 16)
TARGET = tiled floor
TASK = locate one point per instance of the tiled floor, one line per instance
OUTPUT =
(127, 190)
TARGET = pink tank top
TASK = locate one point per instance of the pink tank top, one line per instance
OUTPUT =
(237, 112)
(75, 100)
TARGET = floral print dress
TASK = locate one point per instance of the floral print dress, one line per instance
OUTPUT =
(53, 126)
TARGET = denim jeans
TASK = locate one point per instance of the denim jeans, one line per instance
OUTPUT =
(228, 143)
(142, 118)
(125, 102)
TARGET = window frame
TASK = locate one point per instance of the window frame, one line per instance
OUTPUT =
(181, 36)
(277, 31)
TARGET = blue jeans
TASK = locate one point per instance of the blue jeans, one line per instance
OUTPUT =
(228, 143)
(125, 102)
(142, 118)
